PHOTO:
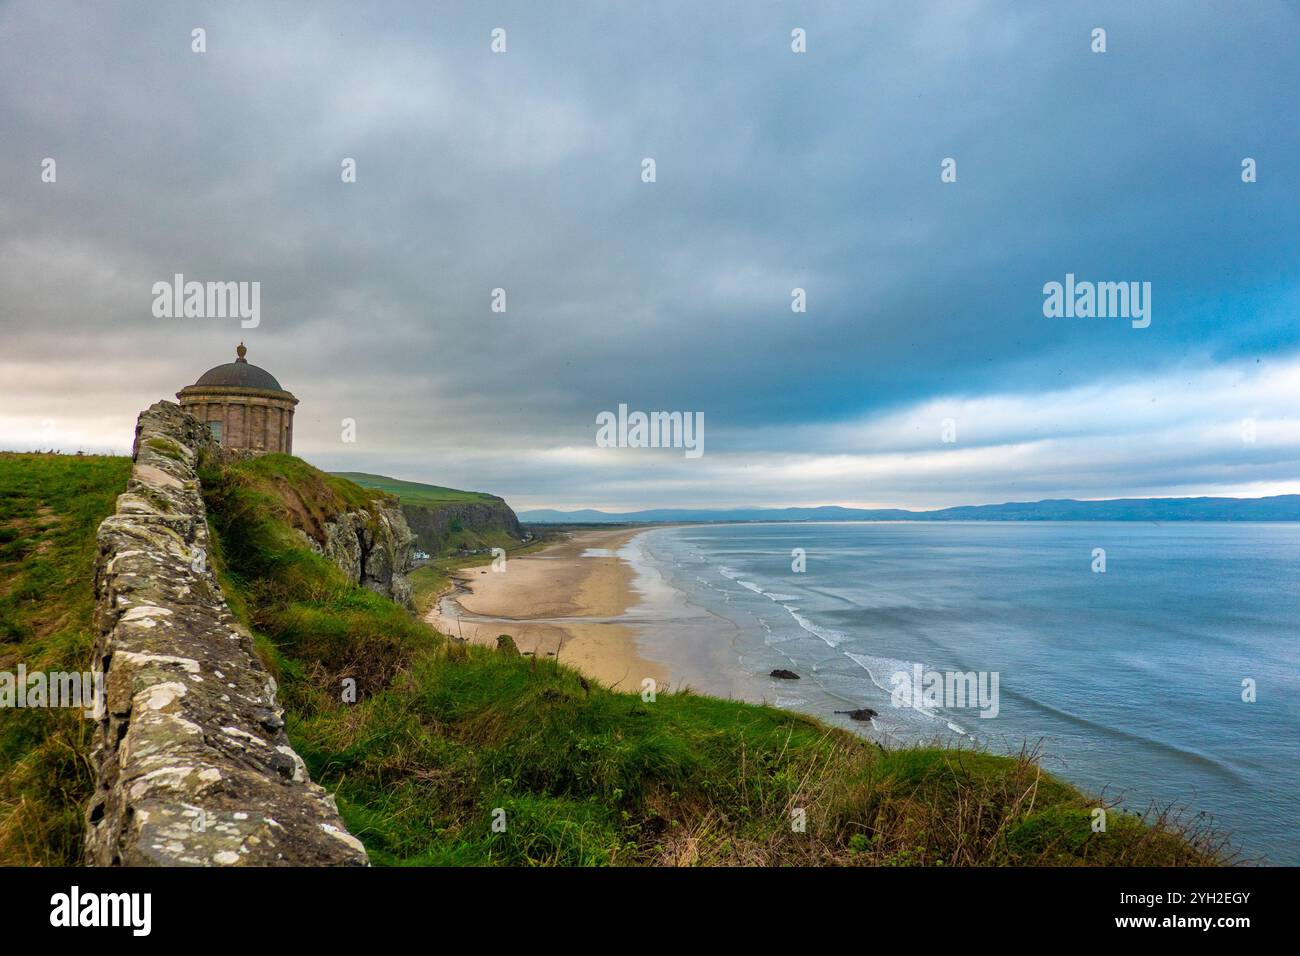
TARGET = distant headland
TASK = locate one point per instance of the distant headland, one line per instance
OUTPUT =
(1274, 508)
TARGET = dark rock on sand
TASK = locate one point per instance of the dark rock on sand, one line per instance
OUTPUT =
(862, 713)
(784, 674)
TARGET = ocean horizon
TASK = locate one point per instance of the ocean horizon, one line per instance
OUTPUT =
(1129, 681)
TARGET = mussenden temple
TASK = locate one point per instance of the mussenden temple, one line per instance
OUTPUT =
(243, 406)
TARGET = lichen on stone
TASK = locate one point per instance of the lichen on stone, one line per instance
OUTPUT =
(191, 771)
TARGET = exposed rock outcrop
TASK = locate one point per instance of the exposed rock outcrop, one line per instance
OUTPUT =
(436, 526)
(193, 764)
(374, 549)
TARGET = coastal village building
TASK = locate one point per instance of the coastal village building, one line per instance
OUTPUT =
(243, 406)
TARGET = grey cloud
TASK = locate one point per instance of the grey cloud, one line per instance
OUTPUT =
(521, 171)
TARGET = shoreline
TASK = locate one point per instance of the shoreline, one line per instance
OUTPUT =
(556, 603)
(598, 604)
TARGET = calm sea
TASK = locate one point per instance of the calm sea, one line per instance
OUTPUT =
(1131, 678)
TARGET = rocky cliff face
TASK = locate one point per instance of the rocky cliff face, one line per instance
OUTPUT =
(435, 526)
(373, 547)
(192, 760)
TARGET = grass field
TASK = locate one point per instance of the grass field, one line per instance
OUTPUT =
(50, 506)
(415, 493)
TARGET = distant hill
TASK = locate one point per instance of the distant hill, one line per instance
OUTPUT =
(413, 491)
(1275, 508)
(445, 519)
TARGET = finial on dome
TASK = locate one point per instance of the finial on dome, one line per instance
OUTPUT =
(241, 352)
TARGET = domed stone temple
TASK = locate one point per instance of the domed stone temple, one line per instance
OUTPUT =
(243, 406)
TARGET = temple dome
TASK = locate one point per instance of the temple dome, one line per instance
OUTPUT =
(239, 374)
(243, 407)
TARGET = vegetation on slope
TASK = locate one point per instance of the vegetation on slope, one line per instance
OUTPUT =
(50, 506)
(465, 538)
(414, 492)
(288, 488)
(314, 628)
(446, 739)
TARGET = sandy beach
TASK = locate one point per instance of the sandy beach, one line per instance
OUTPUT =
(556, 602)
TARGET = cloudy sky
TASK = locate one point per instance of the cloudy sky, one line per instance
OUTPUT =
(774, 170)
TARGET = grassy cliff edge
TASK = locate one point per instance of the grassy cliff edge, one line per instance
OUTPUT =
(443, 753)
(455, 754)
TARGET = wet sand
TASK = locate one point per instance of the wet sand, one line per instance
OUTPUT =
(556, 603)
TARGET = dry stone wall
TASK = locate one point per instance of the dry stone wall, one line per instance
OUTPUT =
(193, 764)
